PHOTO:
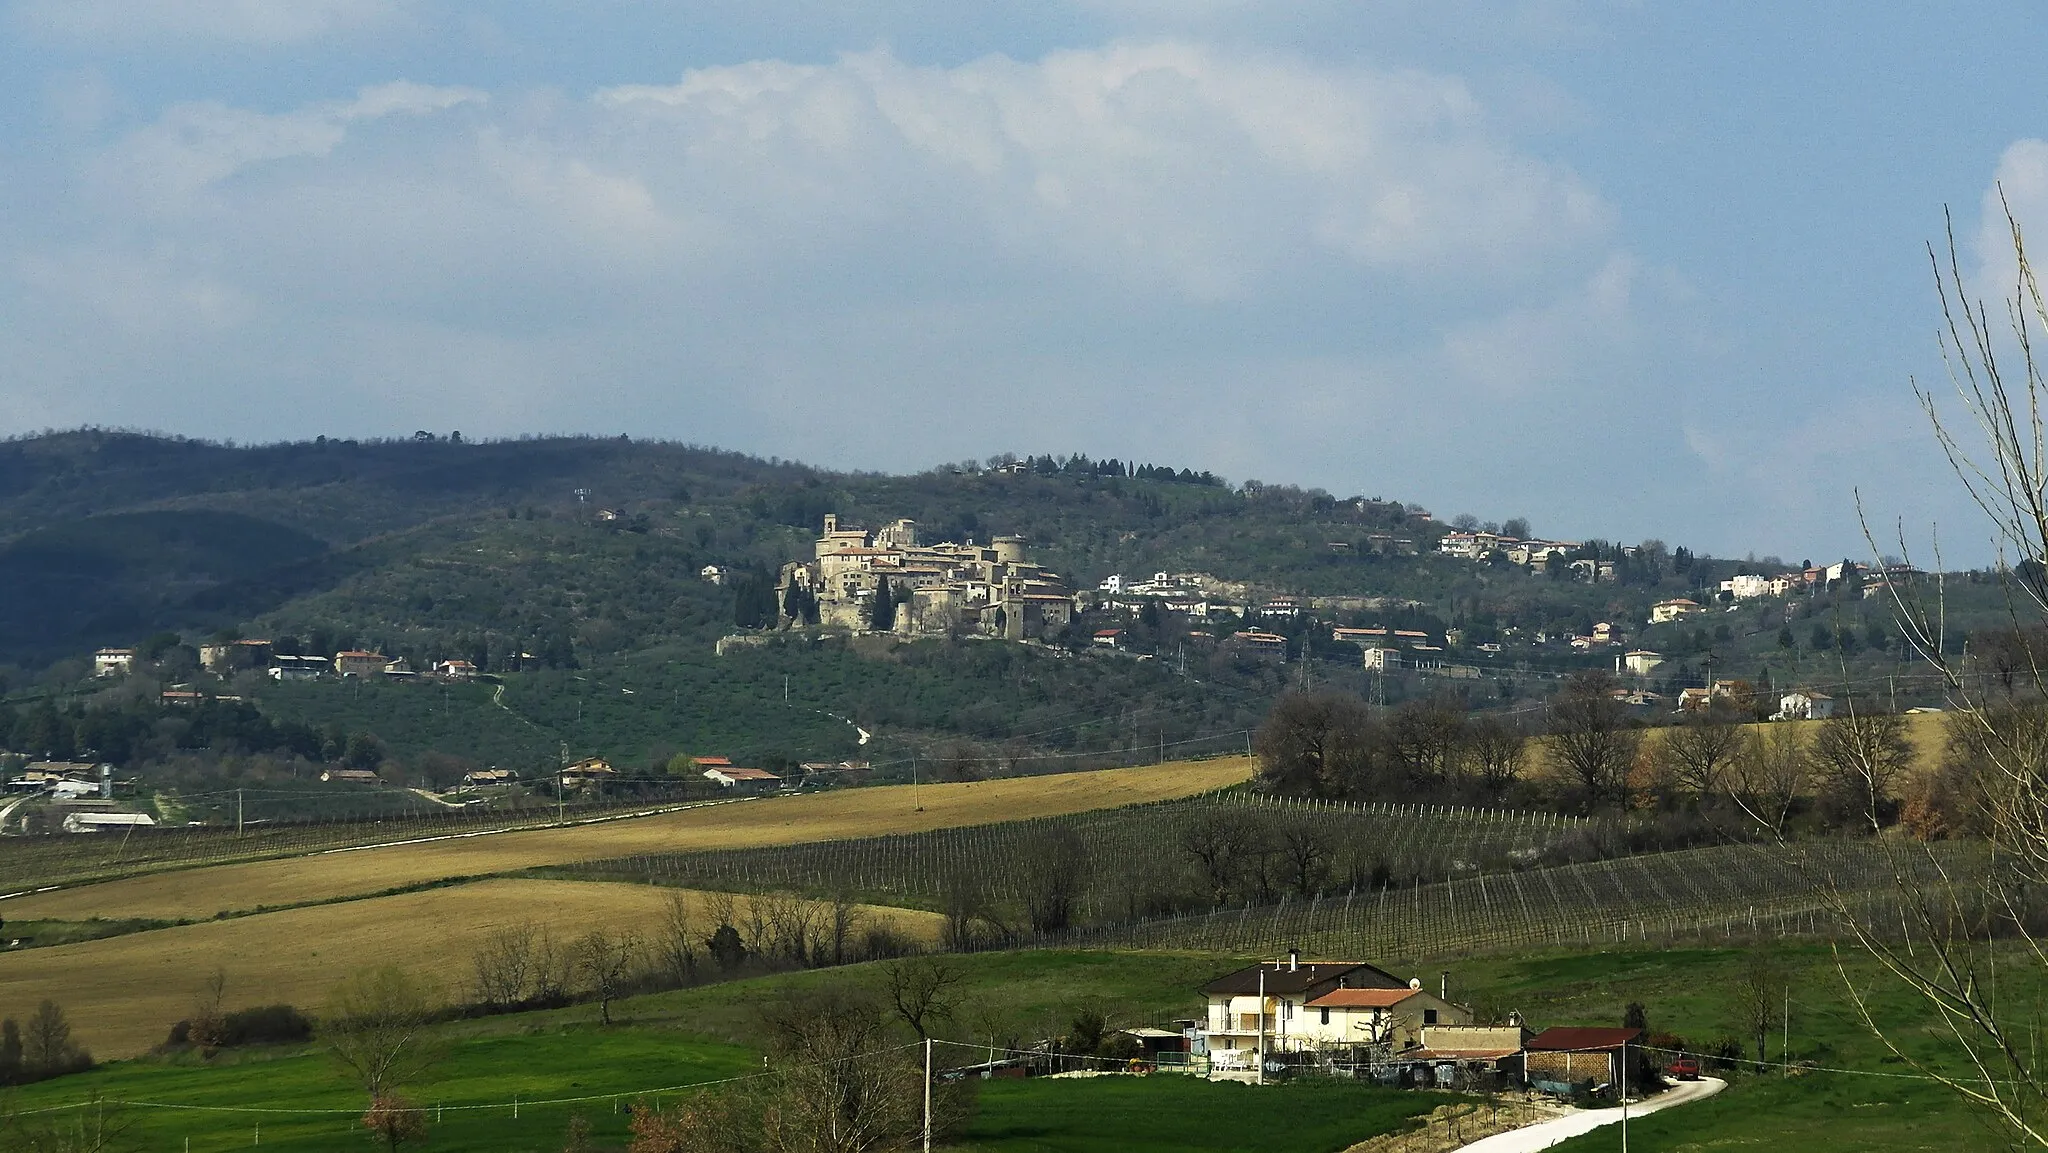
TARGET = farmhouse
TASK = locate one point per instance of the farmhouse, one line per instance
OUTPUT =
(113, 662)
(228, 656)
(1672, 610)
(588, 773)
(1263, 1007)
(359, 663)
(1385, 1020)
(743, 780)
(1559, 1060)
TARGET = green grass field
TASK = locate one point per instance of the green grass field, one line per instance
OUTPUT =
(1167, 1113)
(489, 1070)
(709, 1032)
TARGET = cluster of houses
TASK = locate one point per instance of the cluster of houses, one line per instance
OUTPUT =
(80, 796)
(594, 773)
(1350, 1018)
(1874, 582)
(940, 589)
(226, 658)
(1527, 553)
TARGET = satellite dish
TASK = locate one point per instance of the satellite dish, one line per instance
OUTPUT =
(1415, 983)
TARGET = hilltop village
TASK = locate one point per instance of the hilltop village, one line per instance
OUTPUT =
(889, 581)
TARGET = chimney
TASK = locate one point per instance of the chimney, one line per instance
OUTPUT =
(1293, 960)
(106, 782)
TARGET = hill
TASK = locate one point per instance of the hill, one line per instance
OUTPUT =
(571, 571)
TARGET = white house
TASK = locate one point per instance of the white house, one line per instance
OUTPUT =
(1389, 1018)
(113, 662)
(743, 780)
(1263, 1007)
(1805, 705)
(1744, 586)
(1676, 609)
(1641, 661)
(1381, 658)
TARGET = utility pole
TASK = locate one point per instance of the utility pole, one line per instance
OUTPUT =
(1624, 1097)
(927, 1095)
(238, 812)
(1785, 1045)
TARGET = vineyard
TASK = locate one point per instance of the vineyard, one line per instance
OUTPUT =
(1116, 865)
(1722, 893)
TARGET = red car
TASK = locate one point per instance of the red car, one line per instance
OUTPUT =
(1685, 1068)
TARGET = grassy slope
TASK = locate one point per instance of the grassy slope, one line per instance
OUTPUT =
(140, 983)
(1113, 1114)
(1691, 992)
(1035, 993)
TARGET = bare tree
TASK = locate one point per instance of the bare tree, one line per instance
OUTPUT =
(923, 991)
(209, 1020)
(675, 940)
(502, 967)
(843, 924)
(965, 910)
(1593, 743)
(1770, 774)
(607, 962)
(1496, 752)
(1314, 744)
(1941, 936)
(1699, 755)
(1053, 876)
(1859, 756)
(1306, 853)
(842, 1088)
(1427, 738)
(1219, 841)
(376, 1025)
(1758, 993)
(46, 1045)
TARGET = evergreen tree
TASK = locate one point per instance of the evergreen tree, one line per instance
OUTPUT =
(10, 1052)
(882, 611)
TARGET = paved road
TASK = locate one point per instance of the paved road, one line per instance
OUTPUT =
(1543, 1135)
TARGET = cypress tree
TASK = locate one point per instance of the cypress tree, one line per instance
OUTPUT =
(882, 615)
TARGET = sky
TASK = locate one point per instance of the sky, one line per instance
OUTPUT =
(1627, 270)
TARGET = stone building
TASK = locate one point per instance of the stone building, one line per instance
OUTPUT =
(943, 589)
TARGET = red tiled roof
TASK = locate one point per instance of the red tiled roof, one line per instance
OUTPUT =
(1362, 998)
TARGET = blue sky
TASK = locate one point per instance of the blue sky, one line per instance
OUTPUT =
(1627, 270)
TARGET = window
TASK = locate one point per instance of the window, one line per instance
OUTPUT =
(1326, 1016)
(1287, 1010)
(1429, 1016)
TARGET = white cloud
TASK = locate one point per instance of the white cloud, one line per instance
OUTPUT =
(254, 22)
(1238, 259)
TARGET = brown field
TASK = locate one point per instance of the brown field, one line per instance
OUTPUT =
(195, 894)
(124, 993)
(1924, 730)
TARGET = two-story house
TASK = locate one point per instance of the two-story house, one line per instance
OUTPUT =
(1264, 1008)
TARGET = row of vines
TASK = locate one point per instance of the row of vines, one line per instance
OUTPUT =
(1118, 865)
